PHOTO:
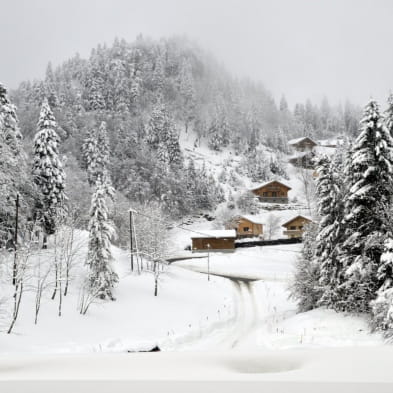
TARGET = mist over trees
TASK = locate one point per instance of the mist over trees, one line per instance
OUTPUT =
(149, 92)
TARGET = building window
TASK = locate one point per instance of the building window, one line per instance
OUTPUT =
(246, 229)
(292, 228)
(265, 194)
(274, 194)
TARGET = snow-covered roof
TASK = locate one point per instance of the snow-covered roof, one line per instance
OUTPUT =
(298, 216)
(327, 150)
(222, 233)
(269, 182)
(298, 140)
(256, 219)
(300, 155)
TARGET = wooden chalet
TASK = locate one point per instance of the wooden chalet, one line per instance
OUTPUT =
(302, 144)
(272, 192)
(246, 226)
(295, 226)
(218, 240)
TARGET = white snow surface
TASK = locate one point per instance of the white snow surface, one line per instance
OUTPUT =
(224, 233)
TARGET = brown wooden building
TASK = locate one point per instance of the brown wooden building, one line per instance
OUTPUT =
(246, 226)
(295, 226)
(272, 192)
(302, 144)
(220, 240)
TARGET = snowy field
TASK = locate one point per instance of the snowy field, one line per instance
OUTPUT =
(186, 305)
(267, 317)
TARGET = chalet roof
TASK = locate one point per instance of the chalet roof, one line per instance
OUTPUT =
(298, 140)
(294, 218)
(256, 219)
(215, 234)
(269, 182)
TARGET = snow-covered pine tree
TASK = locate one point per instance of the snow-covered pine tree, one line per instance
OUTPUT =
(173, 146)
(90, 153)
(96, 152)
(103, 148)
(369, 176)
(382, 306)
(158, 77)
(329, 192)
(102, 277)
(156, 127)
(214, 133)
(9, 124)
(95, 88)
(389, 115)
(48, 173)
(14, 179)
(187, 93)
(305, 287)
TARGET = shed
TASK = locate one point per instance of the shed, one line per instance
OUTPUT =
(295, 226)
(273, 192)
(216, 240)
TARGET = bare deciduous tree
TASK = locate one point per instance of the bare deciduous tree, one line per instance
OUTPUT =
(272, 225)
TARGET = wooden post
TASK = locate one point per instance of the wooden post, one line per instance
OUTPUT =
(208, 262)
(14, 272)
(131, 243)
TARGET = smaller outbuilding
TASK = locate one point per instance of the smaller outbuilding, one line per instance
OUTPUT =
(216, 240)
(295, 226)
(246, 226)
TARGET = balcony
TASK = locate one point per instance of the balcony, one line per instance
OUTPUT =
(291, 233)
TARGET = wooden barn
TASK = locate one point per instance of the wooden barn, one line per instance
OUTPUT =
(295, 226)
(246, 226)
(302, 144)
(272, 192)
(219, 240)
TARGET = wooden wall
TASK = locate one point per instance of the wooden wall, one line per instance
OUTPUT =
(215, 244)
(254, 229)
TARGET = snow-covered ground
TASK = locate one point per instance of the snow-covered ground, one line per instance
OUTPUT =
(186, 305)
(266, 317)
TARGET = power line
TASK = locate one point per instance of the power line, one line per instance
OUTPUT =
(176, 226)
(191, 230)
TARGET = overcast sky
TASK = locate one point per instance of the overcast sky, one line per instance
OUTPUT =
(302, 48)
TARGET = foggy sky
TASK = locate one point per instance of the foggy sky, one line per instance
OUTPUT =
(300, 48)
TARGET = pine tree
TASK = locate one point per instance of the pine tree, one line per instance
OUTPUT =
(95, 88)
(9, 124)
(95, 151)
(90, 153)
(102, 277)
(389, 115)
(48, 173)
(305, 287)
(382, 306)
(215, 137)
(369, 176)
(187, 92)
(329, 191)
(14, 179)
(157, 127)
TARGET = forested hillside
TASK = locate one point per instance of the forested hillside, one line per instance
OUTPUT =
(144, 94)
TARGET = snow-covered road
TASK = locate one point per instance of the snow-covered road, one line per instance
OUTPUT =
(242, 330)
(264, 317)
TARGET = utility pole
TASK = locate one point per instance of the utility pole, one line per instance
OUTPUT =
(208, 262)
(131, 243)
(14, 272)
